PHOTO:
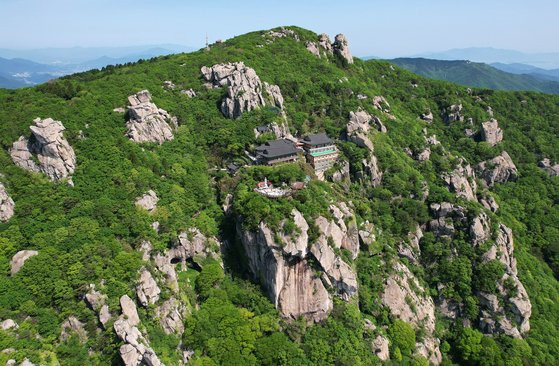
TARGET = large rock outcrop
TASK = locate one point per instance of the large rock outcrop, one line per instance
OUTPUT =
(341, 48)
(491, 133)
(495, 318)
(97, 302)
(147, 122)
(171, 315)
(190, 245)
(322, 47)
(357, 130)
(7, 205)
(462, 181)
(136, 349)
(56, 158)
(147, 290)
(18, 260)
(148, 201)
(403, 289)
(500, 169)
(244, 91)
(280, 262)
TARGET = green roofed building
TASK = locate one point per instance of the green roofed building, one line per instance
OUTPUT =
(321, 151)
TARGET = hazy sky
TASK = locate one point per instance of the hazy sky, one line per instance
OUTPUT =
(382, 28)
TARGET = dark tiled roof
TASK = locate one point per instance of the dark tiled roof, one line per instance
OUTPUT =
(317, 139)
(263, 129)
(276, 148)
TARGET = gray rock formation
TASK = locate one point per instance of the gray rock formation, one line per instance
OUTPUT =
(549, 168)
(95, 299)
(147, 122)
(244, 91)
(189, 93)
(281, 33)
(170, 315)
(444, 213)
(19, 259)
(189, 245)
(358, 129)
(341, 48)
(321, 48)
(500, 169)
(453, 114)
(462, 181)
(72, 326)
(148, 201)
(288, 279)
(129, 310)
(8, 324)
(324, 42)
(56, 157)
(491, 133)
(380, 103)
(480, 229)
(169, 85)
(489, 203)
(427, 117)
(312, 47)
(379, 346)
(104, 315)
(136, 350)
(494, 318)
(147, 290)
(7, 205)
(398, 294)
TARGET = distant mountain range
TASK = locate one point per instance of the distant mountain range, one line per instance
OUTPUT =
(475, 74)
(20, 68)
(488, 55)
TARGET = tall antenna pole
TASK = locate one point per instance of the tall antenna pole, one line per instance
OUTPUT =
(207, 43)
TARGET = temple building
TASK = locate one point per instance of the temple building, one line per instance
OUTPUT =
(321, 151)
(276, 152)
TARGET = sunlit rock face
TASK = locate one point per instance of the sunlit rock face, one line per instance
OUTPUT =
(46, 151)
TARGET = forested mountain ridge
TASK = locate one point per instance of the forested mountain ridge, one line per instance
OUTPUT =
(433, 238)
(477, 74)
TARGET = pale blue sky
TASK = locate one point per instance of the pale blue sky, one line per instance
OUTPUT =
(384, 28)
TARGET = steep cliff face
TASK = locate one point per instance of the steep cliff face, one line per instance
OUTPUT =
(281, 262)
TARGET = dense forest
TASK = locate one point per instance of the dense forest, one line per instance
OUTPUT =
(90, 234)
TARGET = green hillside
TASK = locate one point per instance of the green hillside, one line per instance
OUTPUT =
(475, 74)
(93, 233)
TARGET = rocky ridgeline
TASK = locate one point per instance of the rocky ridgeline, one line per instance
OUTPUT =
(147, 122)
(7, 205)
(511, 314)
(323, 48)
(280, 262)
(357, 130)
(47, 146)
(245, 90)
